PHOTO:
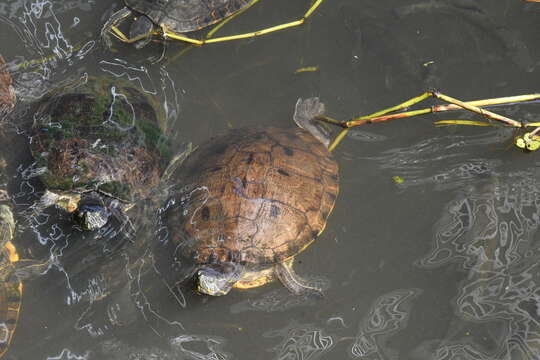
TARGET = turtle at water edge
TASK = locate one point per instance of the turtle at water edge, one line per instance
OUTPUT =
(250, 201)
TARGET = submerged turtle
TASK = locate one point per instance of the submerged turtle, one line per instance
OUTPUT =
(252, 200)
(12, 269)
(10, 289)
(173, 18)
(177, 16)
(98, 146)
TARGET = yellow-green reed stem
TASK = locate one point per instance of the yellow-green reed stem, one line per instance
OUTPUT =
(403, 105)
(215, 29)
(312, 9)
(330, 120)
(338, 139)
(441, 108)
(508, 100)
(476, 109)
(224, 22)
(298, 22)
(462, 122)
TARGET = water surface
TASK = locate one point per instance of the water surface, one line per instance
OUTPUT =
(441, 266)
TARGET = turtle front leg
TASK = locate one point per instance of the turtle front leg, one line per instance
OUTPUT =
(306, 112)
(293, 282)
(110, 27)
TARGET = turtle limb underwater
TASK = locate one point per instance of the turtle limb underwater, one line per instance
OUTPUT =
(98, 147)
(170, 19)
(249, 202)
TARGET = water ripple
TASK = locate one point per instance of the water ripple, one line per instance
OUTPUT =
(387, 316)
(301, 342)
(491, 230)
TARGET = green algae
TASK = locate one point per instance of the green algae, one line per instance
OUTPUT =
(83, 114)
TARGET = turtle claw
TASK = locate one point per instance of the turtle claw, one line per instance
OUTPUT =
(305, 113)
(307, 109)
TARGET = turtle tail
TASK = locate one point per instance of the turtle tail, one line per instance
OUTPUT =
(10, 305)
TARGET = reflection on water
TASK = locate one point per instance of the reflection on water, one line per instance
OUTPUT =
(40, 31)
(471, 13)
(443, 162)
(276, 300)
(490, 230)
(387, 315)
(301, 342)
(466, 214)
(66, 354)
(190, 347)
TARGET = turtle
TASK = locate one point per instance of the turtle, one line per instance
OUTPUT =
(248, 201)
(10, 291)
(98, 146)
(172, 18)
(12, 269)
(178, 16)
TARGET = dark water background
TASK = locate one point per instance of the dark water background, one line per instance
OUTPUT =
(441, 266)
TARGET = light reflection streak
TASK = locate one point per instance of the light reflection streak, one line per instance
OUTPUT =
(490, 230)
(67, 354)
(301, 342)
(388, 315)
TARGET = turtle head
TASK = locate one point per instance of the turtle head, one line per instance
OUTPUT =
(92, 214)
(218, 279)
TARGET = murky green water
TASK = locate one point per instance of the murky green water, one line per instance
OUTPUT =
(441, 266)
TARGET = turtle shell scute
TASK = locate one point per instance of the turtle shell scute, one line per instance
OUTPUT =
(258, 196)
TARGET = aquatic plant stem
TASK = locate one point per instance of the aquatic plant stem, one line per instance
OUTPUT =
(455, 104)
(216, 28)
(169, 34)
(476, 109)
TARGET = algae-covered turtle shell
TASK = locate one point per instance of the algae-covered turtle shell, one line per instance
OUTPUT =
(253, 199)
(100, 136)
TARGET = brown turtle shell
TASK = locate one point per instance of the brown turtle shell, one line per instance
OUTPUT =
(182, 16)
(257, 196)
(7, 93)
